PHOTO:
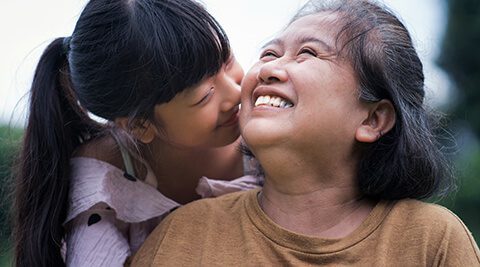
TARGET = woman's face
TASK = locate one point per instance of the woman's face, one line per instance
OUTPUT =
(300, 93)
(206, 115)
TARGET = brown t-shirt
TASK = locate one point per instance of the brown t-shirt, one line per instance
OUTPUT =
(234, 231)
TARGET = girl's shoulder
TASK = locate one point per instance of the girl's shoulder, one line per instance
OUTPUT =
(104, 148)
(93, 181)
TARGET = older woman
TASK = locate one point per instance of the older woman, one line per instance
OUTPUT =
(334, 113)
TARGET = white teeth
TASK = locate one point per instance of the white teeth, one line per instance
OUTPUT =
(276, 102)
(273, 101)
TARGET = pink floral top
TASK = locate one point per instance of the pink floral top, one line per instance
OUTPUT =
(111, 213)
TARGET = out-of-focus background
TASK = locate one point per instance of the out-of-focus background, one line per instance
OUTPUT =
(446, 34)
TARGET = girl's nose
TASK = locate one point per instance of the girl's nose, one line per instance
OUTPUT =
(232, 76)
(231, 96)
(236, 72)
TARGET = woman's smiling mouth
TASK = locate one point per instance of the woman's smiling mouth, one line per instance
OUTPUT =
(273, 101)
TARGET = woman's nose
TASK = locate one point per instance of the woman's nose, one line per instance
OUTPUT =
(272, 71)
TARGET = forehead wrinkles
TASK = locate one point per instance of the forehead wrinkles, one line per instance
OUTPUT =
(319, 27)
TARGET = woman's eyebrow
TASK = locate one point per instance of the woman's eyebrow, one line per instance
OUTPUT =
(301, 40)
(275, 41)
(310, 39)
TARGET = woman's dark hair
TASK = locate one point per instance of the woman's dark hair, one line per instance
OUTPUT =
(406, 162)
(123, 58)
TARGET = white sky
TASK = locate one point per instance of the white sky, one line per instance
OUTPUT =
(27, 26)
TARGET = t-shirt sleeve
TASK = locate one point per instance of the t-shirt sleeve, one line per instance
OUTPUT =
(145, 256)
(183, 236)
(458, 247)
(94, 239)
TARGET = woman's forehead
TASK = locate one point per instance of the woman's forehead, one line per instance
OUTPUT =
(320, 28)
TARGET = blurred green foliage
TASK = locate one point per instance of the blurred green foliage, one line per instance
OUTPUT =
(9, 143)
(461, 60)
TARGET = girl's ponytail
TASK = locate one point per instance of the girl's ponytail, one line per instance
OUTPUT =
(56, 126)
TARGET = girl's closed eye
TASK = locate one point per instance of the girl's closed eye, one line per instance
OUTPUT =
(206, 97)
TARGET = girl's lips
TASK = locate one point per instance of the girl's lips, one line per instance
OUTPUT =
(233, 120)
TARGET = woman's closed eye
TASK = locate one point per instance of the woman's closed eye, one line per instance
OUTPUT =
(308, 51)
(268, 54)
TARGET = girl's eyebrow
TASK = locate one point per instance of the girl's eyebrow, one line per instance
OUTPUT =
(190, 91)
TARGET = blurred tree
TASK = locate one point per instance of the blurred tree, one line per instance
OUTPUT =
(461, 59)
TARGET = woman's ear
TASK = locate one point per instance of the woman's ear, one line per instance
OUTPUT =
(381, 119)
(142, 130)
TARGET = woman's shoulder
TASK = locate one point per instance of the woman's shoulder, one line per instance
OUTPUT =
(429, 213)
(188, 226)
(217, 206)
(433, 223)
(428, 216)
(208, 212)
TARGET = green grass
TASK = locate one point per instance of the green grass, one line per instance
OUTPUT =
(5, 257)
(5, 261)
(9, 143)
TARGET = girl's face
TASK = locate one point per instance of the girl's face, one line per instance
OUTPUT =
(300, 93)
(206, 115)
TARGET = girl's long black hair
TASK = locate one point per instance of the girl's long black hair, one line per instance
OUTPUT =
(56, 126)
(123, 58)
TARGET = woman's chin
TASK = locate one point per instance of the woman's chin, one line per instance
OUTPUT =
(262, 136)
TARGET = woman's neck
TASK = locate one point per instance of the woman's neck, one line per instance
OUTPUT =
(178, 169)
(316, 197)
(323, 213)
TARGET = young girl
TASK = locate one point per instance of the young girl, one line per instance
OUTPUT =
(162, 74)
(334, 112)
